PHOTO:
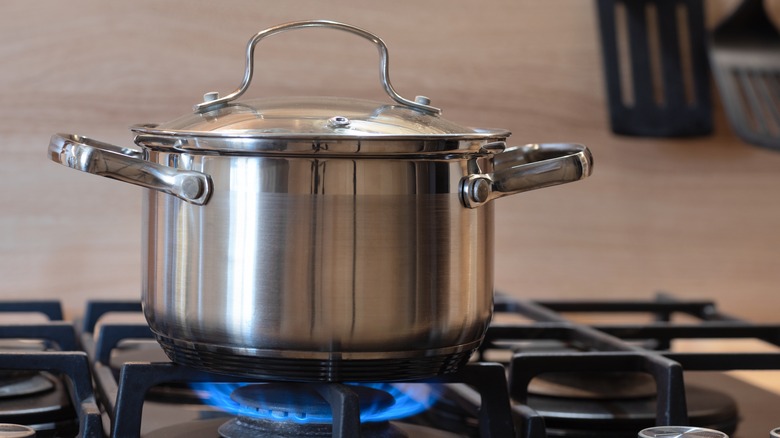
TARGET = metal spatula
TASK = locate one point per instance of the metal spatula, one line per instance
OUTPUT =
(745, 57)
(656, 67)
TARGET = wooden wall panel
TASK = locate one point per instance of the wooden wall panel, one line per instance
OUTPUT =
(695, 217)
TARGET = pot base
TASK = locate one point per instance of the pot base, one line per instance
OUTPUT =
(224, 361)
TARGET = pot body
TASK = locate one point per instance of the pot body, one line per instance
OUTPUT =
(319, 268)
(313, 260)
(321, 239)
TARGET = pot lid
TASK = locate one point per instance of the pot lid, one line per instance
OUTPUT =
(313, 117)
(224, 124)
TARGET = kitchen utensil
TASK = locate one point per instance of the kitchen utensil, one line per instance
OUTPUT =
(745, 55)
(320, 239)
(655, 66)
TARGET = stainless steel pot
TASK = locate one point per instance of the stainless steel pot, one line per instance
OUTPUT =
(320, 239)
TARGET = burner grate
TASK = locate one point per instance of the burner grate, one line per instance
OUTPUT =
(602, 347)
(137, 378)
(123, 398)
(59, 356)
(613, 347)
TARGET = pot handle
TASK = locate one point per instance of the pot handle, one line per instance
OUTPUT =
(212, 101)
(524, 168)
(128, 165)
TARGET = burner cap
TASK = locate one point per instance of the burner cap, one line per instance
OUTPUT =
(589, 418)
(23, 383)
(15, 431)
(249, 428)
(680, 432)
(299, 410)
(215, 428)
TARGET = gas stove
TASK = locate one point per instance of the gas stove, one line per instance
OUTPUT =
(545, 369)
(45, 382)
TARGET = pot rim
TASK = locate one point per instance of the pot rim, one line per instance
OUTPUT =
(481, 141)
(478, 134)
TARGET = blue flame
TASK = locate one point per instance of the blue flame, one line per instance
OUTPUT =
(410, 399)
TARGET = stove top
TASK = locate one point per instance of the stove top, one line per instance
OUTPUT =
(545, 369)
(45, 382)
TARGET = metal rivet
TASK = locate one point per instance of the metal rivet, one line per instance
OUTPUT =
(338, 122)
(69, 154)
(211, 96)
(423, 100)
(191, 188)
(480, 190)
(493, 147)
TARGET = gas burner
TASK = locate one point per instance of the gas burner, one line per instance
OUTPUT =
(16, 431)
(244, 427)
(19, 383)
(617, 404)
(208, 429)
(38, 400)
(298, 409)
(621, 417)
(301, 402)
(594, 386)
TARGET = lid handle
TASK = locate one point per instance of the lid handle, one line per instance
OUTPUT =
(212, 101)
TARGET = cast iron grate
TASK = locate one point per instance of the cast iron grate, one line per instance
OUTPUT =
(59, 356)
(124, 397)
(623, 347)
